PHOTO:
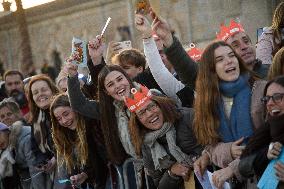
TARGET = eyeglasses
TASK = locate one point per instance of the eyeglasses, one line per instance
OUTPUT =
(277, 98)
(152, 106)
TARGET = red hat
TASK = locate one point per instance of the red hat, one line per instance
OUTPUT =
(194, 52)
(140, 97)
(226, 32)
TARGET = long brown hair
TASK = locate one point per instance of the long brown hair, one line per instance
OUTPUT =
(206, 120)
(278, 24)
(276, 68)
(137, 130)
(115, 150)
(64, 140)
(34, 109)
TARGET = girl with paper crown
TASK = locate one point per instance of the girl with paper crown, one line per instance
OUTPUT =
(267, 142)
(226, 110)
(162, 135)
(79, 145)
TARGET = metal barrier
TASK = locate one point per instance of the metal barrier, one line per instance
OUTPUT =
(122, 173)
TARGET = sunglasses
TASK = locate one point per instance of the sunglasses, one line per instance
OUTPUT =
(276, 98)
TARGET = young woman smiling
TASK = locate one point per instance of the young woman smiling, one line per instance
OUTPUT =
(227, 109)
(162, 135)
(78, 145)
(40, 92)
(267, 142)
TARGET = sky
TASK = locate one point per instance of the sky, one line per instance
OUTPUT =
(26, 3)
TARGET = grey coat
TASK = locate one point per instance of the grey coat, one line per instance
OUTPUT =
(20, 144)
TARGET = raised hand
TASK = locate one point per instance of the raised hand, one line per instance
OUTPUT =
(162, 29)
(143, 25)
(96, 49)
(237, 149)
(70, 68)
(112, 49)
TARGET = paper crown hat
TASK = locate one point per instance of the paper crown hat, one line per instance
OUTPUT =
(194, 52)
(226, 32)
(140, 97)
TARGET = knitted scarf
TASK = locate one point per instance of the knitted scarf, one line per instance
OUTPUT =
(239, 124)
(41, 132)
(158, 152)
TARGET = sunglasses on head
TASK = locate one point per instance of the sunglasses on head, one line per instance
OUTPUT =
(276, 98)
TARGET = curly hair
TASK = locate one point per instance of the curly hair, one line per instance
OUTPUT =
(65, 139)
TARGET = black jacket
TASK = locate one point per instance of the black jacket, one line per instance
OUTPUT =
(187, 143)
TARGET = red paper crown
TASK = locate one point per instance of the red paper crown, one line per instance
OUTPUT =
(140, 97)
(194, 52)
(226, 32)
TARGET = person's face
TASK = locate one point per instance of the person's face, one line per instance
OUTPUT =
(13, 82)
(65, 117)
(117, 85)
(62, 85)
(8, 117)
(41, 94)
(275, 103)
(131, 70)
(4, 140)
(150, 115)
(243, 47)
(227, 64)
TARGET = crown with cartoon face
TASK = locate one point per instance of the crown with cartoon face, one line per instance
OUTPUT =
(226, 32)
(139, 97)
(194, 52)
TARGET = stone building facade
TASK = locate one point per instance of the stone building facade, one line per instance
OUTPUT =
(53, 25)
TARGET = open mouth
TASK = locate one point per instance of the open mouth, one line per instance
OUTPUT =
(230, 70)
(275, 112)
(42, 99)
(154, 120)
(121, 92)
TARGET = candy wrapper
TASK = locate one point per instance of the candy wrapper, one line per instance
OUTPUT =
(142, 6)
(79, 52)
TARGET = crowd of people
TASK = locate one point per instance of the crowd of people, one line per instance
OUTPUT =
(158, 119)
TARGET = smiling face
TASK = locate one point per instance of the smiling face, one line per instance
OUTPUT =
(275, 107)
(243, 47)
(117, 85)
(227, 64)
(150, 115)
(65, 117)
(41, 93)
